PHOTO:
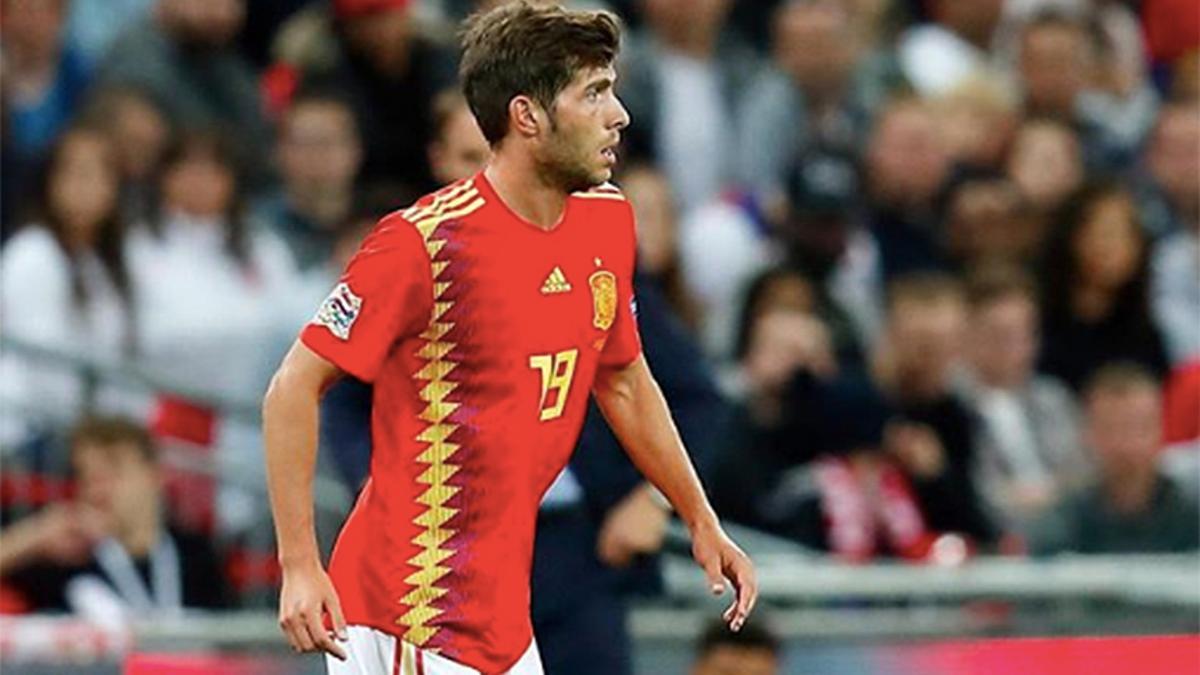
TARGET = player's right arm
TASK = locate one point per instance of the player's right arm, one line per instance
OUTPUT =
(290, 414)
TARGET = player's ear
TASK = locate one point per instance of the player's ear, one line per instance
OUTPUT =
(525, 116)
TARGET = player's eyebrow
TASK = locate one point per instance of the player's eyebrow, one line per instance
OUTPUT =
(601, 84)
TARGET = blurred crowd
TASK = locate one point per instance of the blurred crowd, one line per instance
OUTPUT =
(921, 277)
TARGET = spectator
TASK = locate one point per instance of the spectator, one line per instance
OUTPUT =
(44, 80)
(141, 133)
(207, 335)
(1056, 59)
(933, 435)
(984, 220)
(780, 341)
(727, 243)
(906, 165)
(214, 337)
(955, 47)
(682, 75)
(1060, 57)
(375, 55)
(64, 285)
(113, 554)
(853, 500)
(184, 56)
(819, 95)
(1029, 451)
(1132, 508)
(319, 153)
(823, 235)
(458, 148)
(1095, 288)
(723, 245)
(1175, 261)
(976, 120)
(754, 650)
(658, 257)
(1046, 164)
(1171, 199)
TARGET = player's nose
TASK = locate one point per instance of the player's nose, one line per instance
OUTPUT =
(621, 117)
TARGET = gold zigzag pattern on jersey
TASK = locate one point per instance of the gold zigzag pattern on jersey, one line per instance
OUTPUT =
(436, 353)
(556, 282)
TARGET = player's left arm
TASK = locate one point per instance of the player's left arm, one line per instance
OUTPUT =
(637, 413)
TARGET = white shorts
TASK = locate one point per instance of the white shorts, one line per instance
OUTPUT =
(373, 652)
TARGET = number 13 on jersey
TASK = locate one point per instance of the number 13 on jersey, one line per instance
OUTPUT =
(557, 371)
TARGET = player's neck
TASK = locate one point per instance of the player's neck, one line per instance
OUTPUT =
(525, 191)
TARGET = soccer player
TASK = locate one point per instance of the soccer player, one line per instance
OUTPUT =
(484, 314)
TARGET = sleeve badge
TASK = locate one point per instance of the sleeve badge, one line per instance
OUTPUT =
(339, 311)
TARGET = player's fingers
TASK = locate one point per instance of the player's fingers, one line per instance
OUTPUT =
(320, 637)
(334, 606)
(298, 633)
(747, 591)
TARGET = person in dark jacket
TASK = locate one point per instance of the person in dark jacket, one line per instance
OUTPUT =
(1132, 507)
(1094, 288)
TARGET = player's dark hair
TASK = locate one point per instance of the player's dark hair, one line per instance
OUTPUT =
(753, 635)
(534, 50)
(108, 432)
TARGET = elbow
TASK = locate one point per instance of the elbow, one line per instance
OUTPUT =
(274, 387)
(277, 390)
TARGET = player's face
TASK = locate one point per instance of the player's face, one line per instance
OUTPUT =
(580, 149)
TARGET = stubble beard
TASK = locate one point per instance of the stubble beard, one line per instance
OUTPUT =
(563, 165)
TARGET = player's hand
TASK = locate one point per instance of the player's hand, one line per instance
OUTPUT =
(721, 559)
(636, 525)
(307, 596)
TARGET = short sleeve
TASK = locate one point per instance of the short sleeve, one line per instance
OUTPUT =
(385, 295)
(624, 343)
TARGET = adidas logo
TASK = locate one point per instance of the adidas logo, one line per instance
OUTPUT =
(556, 282)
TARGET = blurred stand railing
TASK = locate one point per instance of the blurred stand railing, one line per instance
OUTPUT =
(811, 601)
(236, 469)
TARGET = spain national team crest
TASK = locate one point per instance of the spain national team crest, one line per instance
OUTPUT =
(339, 311)
(604, 298)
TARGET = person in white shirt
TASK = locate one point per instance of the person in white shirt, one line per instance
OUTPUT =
(64, 285)
(1030, 453)
(209, 295)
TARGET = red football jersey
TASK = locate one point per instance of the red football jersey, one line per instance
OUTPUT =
(482, 334)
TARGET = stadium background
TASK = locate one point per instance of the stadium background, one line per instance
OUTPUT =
(905, 268)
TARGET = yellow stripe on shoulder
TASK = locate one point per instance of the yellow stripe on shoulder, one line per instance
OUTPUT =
(438, 201)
